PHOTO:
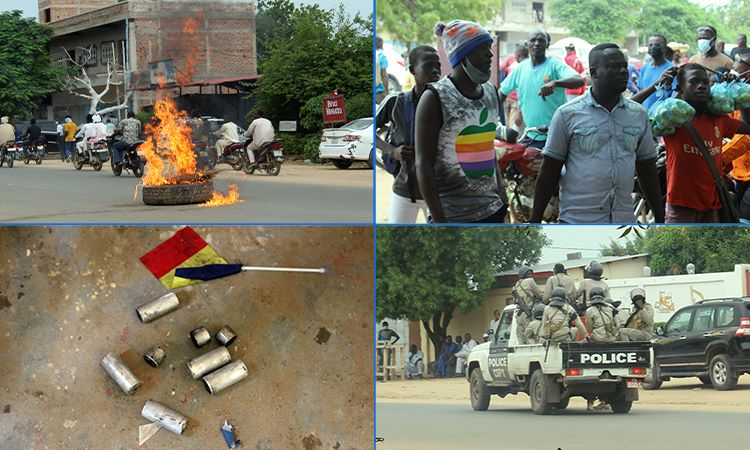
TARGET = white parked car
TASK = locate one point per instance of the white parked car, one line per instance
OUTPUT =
(352, 142)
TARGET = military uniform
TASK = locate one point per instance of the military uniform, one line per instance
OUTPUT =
(560, 280)
(557, 317)
(640, 324)
(534, 329)
(582, 295)
(602, 321)
(527, 293)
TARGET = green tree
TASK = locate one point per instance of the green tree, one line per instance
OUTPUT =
(596, 21)
(313, 52)
(26, 74)
(711, 249)
(624, 246)
(677, 20)
(414, 21)
(271, 21)
(733, 19)
(429, 273)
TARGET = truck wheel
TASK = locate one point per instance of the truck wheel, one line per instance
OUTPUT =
(563, 404)
(480, 394)
(538, 394)
(621, 406)
(722, 373)
(652, 382)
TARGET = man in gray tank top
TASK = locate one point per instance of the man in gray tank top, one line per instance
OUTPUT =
(455, 129)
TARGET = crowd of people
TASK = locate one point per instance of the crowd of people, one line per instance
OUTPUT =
(596, 143)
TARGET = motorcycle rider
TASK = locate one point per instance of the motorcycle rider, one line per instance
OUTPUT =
(81, 144)
(130, 130)
(262, 132)
(7, 133)
(93, 131)
(227, 136)
(31, 136)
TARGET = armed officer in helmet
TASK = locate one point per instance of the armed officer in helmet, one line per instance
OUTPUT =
(534, 330)
(526, 293)
(560, 279)
(600, 318)
(557, 318)
(592, 278)
(640, 324)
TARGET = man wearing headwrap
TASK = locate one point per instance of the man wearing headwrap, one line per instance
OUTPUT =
(7, 133)
(454, 132)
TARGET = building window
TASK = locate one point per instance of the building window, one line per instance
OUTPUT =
(518, 6)
(108, 52)
(47, 16)
(61, 59)
(538, 10)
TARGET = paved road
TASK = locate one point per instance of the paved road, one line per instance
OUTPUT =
(422, 426)
(54, 192)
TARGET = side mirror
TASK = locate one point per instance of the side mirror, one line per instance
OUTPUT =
(660, 331)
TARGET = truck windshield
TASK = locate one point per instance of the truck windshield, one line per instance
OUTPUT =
(503, 328)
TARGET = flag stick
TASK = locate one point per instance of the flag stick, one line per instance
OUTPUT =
(282, 269)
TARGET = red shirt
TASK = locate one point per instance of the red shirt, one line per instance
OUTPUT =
(572, 60)
(689, 180)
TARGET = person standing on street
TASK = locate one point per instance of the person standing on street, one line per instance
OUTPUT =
(526, 294)
(651, 71)
(541, 84)
(737, 150)
(398, 112)
(692, 196)
(640, 324)
(462, 355)
(455, 131)
(495, 320)
(572, 60)
(70, 137)
(381, 86)
(513, 116)
(603, 140)
(708, 56)
(741, 48)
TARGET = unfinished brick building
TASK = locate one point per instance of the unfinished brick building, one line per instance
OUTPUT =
(203, 48)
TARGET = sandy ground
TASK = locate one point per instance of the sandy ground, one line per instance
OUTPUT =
(686, 393)
(67, 298)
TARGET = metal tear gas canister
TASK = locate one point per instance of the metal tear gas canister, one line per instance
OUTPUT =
(118, 371)
(221, 379)
(226, 336)
(208, 362)
(200, 336)
(165, 417)
(155, 356)
(162, 306)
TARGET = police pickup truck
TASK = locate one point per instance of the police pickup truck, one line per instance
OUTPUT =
(611, 372)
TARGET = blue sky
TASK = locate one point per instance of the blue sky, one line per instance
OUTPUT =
(30, 7)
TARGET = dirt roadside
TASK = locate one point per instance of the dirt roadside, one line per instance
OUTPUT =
(679, 393)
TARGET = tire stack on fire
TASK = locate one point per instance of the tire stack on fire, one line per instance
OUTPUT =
(215, 367)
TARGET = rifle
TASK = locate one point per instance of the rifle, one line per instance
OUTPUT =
(520, 303)
(627, 322)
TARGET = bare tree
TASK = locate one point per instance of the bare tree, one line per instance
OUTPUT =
(79, 78)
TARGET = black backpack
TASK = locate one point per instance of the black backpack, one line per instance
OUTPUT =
(390, 164)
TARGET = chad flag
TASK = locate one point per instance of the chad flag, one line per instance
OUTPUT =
(185, 249)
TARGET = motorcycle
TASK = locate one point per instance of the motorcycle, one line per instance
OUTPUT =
(268, 158)
(95, 153)
(519, 165)
(233, 155)
(132, 159)
(34, 152)
(8, 153)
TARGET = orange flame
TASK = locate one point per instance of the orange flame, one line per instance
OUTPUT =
(189, 28)
(218, 199)
(168, 149)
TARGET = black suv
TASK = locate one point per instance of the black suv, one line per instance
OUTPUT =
(709, 340)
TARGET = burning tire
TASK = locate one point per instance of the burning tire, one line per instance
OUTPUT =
(178, 194)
